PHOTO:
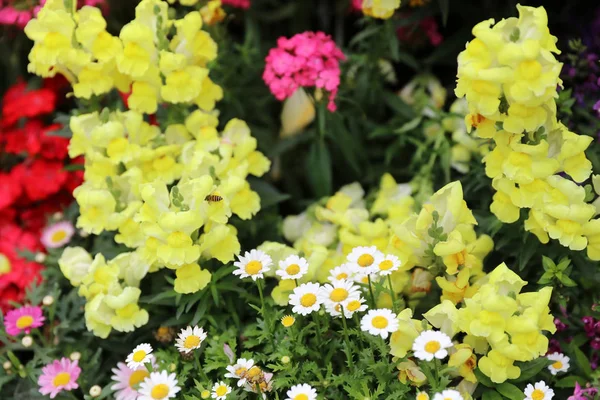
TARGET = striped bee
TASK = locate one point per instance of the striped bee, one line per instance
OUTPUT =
(211, 198)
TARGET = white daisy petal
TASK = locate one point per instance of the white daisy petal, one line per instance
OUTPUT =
(190, 339)
(388, 264)
(293, 267)
(303, 391)
(159, 385)
(431, 344)
(220, 390)
(539, 391)
(139, 356)
(365, 259)
(253, 264)
(238, 370)
(305, 298)
(380, 322)
(448, 394)
(337, 295)
(561, 363)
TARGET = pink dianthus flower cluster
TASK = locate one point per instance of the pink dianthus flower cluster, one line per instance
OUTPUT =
(305, 60)
(19, 16)
(245, 4)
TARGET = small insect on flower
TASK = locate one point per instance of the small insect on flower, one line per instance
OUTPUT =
(159, 385)
(431, 344)
(293, 267)
(220, 390)
(305, 298)
(301, 392)
(252, 264)
(539, 391)
(288, 320)
(238, 370)
(140, 355)
(561, 363)
(448, 394)
(380, 322)
(213, 198)
(190, 339)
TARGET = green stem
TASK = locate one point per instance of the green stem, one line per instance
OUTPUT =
(393, 294)
(321, 110)
(347, 340)
(199, 367)
(373, 304)
(296, 280)
(262, 299)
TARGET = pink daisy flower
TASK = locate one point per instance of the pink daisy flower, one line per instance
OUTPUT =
(127, 381)
(58, 376)
(23, 320)
(57, 235)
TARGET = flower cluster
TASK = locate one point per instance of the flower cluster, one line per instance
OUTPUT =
(509, 76)
(307, 59)
(383, 9)
(14, 14)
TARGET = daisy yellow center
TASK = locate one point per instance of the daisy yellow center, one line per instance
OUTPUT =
(139, 356)
(341, 275)
(254, 372)
(160, 391)
(538, 394)
(137, 376)
(221, 391)
(301, 396)
(288, 321)
(422, 396)
(308, 300)
(61, 379)
(58, 236)
(253, 267)
(24, 322)
(191, 342)
(432, 346)
(557, 365)
(353, 305)
(365, 279)
(240, 371)
(338, 295)
(385, 265)
(293, 269)
(380, 322)
(365, 260)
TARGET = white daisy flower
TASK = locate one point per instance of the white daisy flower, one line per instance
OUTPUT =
(301, 392)
(365, 259)
(388, 264)
(293, 267)
(422, 396)
(431, 344)
(140, 355)
(239, 369)
(448, 394)
(338, 294)
(190, 339)
(340, 272)
(360, 277)
(305, 298)
(220, 390)
(539, 391)
(380, 322)
(253, 264)
(355, 306)
(159, 385)
(561, 363)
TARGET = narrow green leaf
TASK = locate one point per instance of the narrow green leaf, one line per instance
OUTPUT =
(445, 10)
(510, 391)
(318, 167)
(409, 126)
(582, 360)
(569, 382)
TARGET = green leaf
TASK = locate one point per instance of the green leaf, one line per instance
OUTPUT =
(445, 10)
(491, 395)
(318, 167)
(409, 126)
(582, 360)
(548, 264)
(565, 280)
(530, 369)
(483, 379)
(569, 382)
(510, 391)
(269, 195)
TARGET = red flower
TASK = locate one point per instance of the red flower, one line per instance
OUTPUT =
(53, 147)
(22, 103)
(41, 178)
(10, 189)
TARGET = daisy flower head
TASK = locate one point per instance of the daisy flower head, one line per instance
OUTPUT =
(448, 394)
(341, 272)
(220, 390)
(539, 391)
(59, 375)
(293, 267)
(288, 320)
(561, 363)
(380, 322)
(305, 298)
(57, 235)
(422, 396)
(239, 369)
(301, 392)
(140, 355)
(365, 259)
(127, 381)
(361, 277)
(159, 385)
(431, 344)
(337, 295)
(388, 264)
(253, 264)
(190, 339)
(23, 319)
(355, 306)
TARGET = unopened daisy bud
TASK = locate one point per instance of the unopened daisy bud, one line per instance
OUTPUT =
(27, 341)
(83, 233)
(40, 258)
(95, 391)
(57, 215)
(75, 356)
(172, 367)
(48, 300)
(285, 360)
(205, 394)
(288, 321)
(7, 365)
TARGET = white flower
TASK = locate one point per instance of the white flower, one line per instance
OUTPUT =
(57, 235)
(190, 339)
(337, 295)
(301, 392)
(253, 264)
(365, 259)
(354, 306)
(220, 390)
(159, 385)
(340, 272)
(95, 391)
(239, 369)
(305, 298)
(27, 341)
(139, 356)
(293, 267)
(448, 394)
(430, 344)
(48, 300)
(539, 391)
(361, 277)
(388, 264)
(561, 363)
(380, 322)
(422, 396)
